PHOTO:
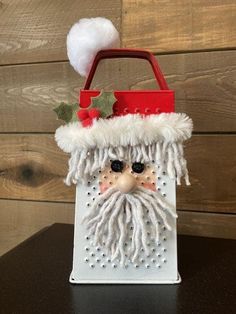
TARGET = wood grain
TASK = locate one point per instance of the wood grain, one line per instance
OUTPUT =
(178, 25)
(21, 219)
(212, 167)
(35, 31)
(214, 225)
(205, 85)
(33, 168)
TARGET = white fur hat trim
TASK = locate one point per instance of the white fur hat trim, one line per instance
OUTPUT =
(128, 130)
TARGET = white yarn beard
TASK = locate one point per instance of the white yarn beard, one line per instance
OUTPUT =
(116, 217)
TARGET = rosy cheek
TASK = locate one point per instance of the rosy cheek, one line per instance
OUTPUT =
(103, 187)
(149, 186)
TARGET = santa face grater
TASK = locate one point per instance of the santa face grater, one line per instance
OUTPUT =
(126, 157)
(91, 264)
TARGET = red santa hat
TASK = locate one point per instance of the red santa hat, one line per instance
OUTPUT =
(150, 136)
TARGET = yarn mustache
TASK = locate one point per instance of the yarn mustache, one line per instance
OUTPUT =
(116, 219)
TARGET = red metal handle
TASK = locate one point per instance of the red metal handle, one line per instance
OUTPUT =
(127, 53)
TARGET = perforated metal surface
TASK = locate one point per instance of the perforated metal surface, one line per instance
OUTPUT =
(91, 263)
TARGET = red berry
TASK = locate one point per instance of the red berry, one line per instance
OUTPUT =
(82, 114)
(87, 122)
(94, 113)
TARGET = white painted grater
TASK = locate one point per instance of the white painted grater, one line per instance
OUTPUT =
(91, 265)
(142, 130)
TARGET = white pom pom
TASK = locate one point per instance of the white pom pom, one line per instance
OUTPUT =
(86, 38)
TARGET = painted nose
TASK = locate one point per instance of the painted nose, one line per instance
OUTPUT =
(126, 183)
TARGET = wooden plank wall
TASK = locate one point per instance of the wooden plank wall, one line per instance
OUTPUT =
(194, 42)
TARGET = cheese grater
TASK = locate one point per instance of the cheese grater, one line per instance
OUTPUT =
(91, 263)
(127, 155)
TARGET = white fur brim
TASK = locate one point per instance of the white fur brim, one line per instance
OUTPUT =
(128, 130)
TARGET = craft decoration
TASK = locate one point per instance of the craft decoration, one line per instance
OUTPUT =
(126, 141)
(86, 38)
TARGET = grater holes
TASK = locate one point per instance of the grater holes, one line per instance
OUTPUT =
(98, 256)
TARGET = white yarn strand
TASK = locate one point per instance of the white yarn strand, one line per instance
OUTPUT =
(115, 218)
(168, 156)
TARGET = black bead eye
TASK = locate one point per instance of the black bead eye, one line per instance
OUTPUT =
(117, 165)
(137, 167)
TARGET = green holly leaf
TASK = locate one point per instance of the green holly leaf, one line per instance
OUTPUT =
(67, 112)
(104, 102)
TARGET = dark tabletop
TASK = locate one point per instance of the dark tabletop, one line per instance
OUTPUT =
(34, 279)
